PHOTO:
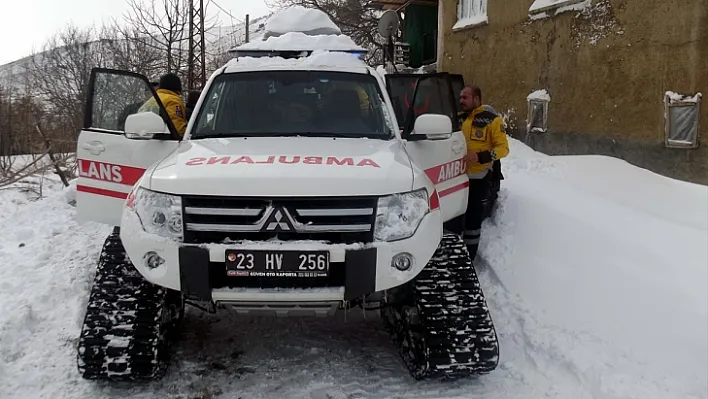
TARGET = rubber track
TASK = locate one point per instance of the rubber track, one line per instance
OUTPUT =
(454, 336)
(123, 337)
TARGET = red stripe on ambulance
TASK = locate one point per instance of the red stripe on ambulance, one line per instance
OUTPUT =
(101, 191)
(446, 171)
(454, 189)
(113, 173)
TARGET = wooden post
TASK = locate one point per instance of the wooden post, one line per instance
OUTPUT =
(247, 28)
(51, 156)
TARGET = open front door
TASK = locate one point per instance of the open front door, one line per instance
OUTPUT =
(109, 162)
(442, 160)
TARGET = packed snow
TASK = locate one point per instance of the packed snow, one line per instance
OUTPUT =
(318, 59)
(595, 272)
(683, 98)
(539, 95)
(301, 19)
(298, 41)
(471, 21)
(560, 5)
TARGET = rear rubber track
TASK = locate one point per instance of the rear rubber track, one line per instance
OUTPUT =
(440, 321)
(130, 324)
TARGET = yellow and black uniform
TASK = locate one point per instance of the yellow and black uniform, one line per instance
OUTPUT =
(485, 135)
(173, 105)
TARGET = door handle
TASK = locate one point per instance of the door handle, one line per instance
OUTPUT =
(94, 147)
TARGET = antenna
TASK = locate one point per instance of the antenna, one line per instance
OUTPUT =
(388, 26)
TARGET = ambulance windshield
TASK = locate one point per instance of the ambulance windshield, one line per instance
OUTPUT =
(293, 103)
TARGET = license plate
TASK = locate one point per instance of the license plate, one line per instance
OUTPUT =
(264, 263)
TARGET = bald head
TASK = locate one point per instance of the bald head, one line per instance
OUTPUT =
(470, 98)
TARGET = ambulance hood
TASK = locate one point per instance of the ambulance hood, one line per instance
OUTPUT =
(278, 166)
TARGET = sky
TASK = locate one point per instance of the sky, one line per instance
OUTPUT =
(25, 25)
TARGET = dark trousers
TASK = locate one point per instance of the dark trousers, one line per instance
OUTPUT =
(478, 192)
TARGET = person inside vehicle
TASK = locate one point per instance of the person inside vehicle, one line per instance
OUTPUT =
(192, 99)
(169, 92)
(134, 107)
(486, 144)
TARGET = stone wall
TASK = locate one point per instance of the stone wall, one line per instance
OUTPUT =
(606, 68)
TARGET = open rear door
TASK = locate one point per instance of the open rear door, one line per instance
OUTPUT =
(401, 87)
(110, 163)
(442, 160)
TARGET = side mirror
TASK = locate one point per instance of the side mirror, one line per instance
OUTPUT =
(144, 126)
(432, 127)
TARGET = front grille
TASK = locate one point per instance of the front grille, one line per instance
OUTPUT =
(334, 220)
(219, 279)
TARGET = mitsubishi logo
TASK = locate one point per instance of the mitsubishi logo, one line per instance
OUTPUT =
(278, 221)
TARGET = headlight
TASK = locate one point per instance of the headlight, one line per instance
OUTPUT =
(399, 215)
(159, 213)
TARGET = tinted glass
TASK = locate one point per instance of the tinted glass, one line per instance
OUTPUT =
(283, 103)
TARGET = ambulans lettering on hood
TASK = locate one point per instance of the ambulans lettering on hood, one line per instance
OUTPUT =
(282, 159)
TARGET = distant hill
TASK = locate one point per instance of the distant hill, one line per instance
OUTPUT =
(219, 40)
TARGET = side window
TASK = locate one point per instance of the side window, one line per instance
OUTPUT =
(433, 95)
(115, 96)
(211, 109)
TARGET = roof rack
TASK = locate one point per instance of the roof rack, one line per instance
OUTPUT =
(289, 53)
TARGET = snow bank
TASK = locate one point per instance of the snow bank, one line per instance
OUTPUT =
(539, 95)
(301, 19)
(298, 41)
(607, 268)
(47, 262)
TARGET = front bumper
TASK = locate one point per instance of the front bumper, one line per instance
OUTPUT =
(356, 270)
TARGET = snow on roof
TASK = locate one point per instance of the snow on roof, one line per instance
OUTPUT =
(300, 19)
(682, 98)
(318, 60)
(539, 95)
(299, 41)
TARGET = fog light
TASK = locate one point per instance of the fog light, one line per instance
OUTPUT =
(402, 261)
(153, 260)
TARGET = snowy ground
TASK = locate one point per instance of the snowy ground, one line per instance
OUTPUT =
(596, 273)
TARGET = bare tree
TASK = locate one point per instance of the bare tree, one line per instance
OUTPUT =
(163, 25)
(131, 52)
(61, 73)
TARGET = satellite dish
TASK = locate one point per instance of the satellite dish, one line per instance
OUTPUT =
(388, 24)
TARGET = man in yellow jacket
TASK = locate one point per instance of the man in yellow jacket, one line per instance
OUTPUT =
(486, 144)
(169, 92)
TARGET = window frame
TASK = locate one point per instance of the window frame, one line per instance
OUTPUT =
(529, 117)
(685, 101)
(470, 21)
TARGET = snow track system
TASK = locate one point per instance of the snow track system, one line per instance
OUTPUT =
(130, 324)
(440, 320)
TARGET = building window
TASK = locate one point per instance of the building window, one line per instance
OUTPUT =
(544, 6)
(537, 118)
(681, 114)
(471, 13)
